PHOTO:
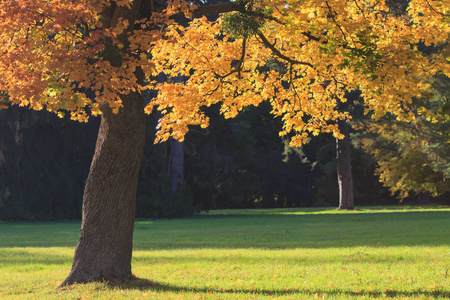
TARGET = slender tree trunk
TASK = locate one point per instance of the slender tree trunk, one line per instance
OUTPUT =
(104, 248)
(344, 168)
(176, 158)
(176, 165)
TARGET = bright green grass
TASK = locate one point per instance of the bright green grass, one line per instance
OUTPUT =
(372, 253)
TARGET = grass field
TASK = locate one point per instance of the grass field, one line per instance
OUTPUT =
(371, 253)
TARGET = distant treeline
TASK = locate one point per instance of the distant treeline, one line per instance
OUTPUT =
(239, 163)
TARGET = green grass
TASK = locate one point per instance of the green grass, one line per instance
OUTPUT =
(321, 253)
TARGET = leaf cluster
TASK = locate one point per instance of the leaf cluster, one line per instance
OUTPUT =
(413, 156)
(241, 24)
(364, 59)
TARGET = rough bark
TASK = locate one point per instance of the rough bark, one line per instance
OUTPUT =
(104, 248)
(344, 168)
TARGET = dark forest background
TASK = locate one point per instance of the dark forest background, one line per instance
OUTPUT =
(238, 163)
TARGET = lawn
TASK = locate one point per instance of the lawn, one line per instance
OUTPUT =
(321, 253)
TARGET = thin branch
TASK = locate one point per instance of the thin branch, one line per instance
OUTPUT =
(263, 16)
(332, 14)
(241, 61)
(291, 83)
(214, 90)
(395, 8)
(205, 10)
(74, 33)
(314, 38)
(221, 77)
(362, 11)
(438, 12)
(339, 82)
(281, 55)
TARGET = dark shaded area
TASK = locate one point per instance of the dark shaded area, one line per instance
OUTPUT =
(44, 161)
(243, 163)
(238, 163)
(254, 230)
(21, 258)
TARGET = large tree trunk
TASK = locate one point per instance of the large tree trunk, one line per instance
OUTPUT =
(104, 248)
(344, 168)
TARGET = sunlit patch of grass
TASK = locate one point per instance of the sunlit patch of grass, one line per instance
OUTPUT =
(328, 210)
(375, 253)
(334, 272)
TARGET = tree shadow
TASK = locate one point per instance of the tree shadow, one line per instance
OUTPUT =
(25, 258)
(142, 284)
(294, 228)
(284, 230)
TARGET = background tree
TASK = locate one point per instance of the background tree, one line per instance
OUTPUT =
(344, 168)
(413, 156)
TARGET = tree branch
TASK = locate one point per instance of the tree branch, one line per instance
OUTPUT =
(204, 10)
(281, 55)
(438, 12)
(332, 15)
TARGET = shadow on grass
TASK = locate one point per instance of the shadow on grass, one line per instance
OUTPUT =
(289, 231)
(268, 229)
(148, 285)
(29, 259)
(323, 211)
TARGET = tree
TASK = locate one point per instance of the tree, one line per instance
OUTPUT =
(412, 157)
(176, 160)
(55, 53)
(344, 168)
(343, 160)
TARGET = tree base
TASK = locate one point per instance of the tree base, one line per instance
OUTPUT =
(105, 246)
(131, 282)
(113, 281)
(346, 208)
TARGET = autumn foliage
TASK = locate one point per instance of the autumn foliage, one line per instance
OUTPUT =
(62, 55)
(301, 56)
